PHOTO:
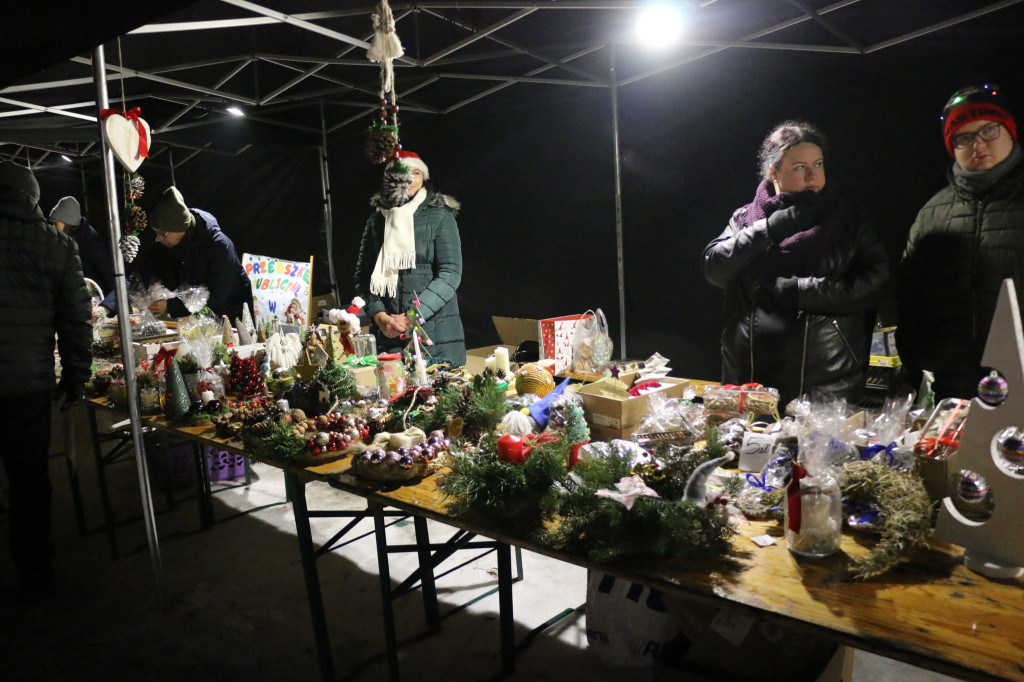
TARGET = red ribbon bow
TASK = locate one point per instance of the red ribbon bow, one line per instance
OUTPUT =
(643, 386)
(742, 389)
(164, 357)
(133, 116)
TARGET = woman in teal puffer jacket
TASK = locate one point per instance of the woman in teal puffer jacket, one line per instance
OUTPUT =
(411, 250)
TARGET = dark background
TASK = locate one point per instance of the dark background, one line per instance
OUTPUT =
(533, 168)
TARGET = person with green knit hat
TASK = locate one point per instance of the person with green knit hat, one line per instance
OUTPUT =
(188, 248)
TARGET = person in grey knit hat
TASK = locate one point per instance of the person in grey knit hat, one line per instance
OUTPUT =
(97, 263)
(188, 248)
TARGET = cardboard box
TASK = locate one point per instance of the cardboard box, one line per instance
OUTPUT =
(512, 331)
(364, 376)
(606, 433)
(321, 303)
(940, 476)
(145, 352)
(617, 413)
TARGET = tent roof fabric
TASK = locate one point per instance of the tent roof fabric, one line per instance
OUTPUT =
(283, 62)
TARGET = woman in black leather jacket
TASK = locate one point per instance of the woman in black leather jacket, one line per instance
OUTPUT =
(802, 275)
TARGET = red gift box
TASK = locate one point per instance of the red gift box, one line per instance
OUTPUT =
(556, 337)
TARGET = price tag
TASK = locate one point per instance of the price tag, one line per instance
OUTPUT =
(755, 451)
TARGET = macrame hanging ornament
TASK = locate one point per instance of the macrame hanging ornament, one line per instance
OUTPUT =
(382, 135)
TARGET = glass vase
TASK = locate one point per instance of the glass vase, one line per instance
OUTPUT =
(821, 521)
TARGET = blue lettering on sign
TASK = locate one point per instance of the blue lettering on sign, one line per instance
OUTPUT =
(272, 305)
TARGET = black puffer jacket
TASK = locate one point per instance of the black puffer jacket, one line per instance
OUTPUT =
(960, 249)
(803, 331)
(42, 292)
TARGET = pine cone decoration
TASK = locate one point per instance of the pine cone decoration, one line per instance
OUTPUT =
(136, 185)
(129, 245)
(137, 219)
(381, 142)
(395, 189)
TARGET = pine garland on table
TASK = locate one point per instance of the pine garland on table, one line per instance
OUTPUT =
(904, 513)
(483, 406)
(521, 495)
(605, 529)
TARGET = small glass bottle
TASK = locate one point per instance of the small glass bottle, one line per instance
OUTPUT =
(821, 522)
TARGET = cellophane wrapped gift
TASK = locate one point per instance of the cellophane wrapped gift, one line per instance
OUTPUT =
(670, 420)
(194, 298)
(722, 403)
(882, 440)
(200, 335)
(940, 436)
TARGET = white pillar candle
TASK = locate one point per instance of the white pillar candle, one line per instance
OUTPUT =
(501, 359)
(207, 396)
(489, 363)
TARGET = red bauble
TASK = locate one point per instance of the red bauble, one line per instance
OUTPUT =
(510, 449)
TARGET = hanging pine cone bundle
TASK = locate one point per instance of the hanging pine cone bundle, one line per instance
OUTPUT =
(136, 186)
(137, 219)
(129, 246)
(381, 140)
(395, 188)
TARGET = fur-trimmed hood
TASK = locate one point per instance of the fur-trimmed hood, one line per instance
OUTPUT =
(434, 199)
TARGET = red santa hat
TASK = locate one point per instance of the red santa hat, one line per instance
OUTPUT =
(413, 160)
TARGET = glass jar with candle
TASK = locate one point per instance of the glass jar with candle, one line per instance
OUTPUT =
(391, 378)
(813, 518)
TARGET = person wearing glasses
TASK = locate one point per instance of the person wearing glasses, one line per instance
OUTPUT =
(966, 240)
(189, 249)
(802, 273)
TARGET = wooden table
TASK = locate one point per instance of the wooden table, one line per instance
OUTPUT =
(930, 611)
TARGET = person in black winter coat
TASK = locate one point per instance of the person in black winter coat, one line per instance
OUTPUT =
(966, 240)
(66, 216)
(189, 248)
(42, 293)
(802, 275)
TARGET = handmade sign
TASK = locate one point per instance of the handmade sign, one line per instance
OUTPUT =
(280, 289)
(127, 135)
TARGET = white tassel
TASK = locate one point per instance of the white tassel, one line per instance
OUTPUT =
(385, 46)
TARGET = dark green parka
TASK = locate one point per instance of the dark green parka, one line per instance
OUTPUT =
(435, 278)
(961, 248)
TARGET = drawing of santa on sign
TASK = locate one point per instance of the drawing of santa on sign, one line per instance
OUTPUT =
(294, 314)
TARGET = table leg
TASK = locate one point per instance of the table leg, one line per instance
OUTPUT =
(384, 571)
(505, 615)
(204, 490)
(433, 614)
(101, 479)
(297, 495)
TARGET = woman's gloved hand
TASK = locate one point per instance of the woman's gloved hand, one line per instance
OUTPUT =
(796, 218)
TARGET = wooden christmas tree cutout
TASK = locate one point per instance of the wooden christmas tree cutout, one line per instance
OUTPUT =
(995, 547)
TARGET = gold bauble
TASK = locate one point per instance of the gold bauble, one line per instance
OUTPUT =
(532, 378)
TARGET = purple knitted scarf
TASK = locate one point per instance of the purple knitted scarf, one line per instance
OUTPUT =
(800, 254)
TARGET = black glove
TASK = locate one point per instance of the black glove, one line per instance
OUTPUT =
(788, 221)
(73, 393)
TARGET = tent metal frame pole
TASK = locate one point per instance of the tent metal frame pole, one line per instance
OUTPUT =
(325, 184)
(614, 81)
(124, 328)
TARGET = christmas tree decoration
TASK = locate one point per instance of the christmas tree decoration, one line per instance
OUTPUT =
(994, 547)
(177, 402)
(136, 186)
(247, 321)
(129, 245)
(993, 389)
(382, 136)
(227, 334)
(381, 140)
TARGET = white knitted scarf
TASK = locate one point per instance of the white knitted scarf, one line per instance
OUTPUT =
(399, 249)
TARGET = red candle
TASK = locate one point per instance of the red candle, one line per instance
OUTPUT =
(510, 449)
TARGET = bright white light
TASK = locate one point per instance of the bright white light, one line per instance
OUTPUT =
(67, 159)
(659, 25)
(235, 111)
